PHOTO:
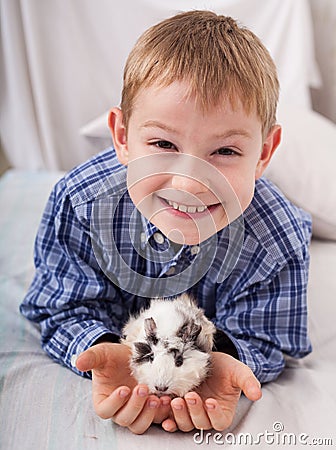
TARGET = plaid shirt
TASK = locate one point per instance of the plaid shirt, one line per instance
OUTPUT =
(93, 250)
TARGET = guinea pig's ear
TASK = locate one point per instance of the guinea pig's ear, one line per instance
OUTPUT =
(150, 330)
(189, 331)
(195, 331)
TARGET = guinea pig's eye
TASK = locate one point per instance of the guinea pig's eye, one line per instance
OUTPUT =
(144, 358)
(178, 358)
(150, 357)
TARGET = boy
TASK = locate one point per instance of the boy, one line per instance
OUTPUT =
(181, 189)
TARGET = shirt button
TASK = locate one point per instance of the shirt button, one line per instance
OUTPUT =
(194, 250)
(158, 238)
(171, 271)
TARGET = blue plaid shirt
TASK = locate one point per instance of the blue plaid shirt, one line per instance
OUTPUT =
(260, 303)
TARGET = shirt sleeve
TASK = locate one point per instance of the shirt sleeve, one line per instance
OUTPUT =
(71, 299)
(269, 319)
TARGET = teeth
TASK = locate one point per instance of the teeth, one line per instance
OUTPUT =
(187, 209)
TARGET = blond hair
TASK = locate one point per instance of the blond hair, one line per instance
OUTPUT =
(215, 57)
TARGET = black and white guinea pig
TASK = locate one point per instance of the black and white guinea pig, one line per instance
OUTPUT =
(171, 343)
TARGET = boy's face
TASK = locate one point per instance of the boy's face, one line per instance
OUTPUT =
(190, 172)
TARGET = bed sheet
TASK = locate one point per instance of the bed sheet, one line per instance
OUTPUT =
(45, 406)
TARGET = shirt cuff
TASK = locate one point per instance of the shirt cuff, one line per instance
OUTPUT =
(108, 337)
(89, 337)
(265, 368)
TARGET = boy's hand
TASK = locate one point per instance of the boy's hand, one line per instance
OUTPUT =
(215, 403)
(115, 392)
(117, 396)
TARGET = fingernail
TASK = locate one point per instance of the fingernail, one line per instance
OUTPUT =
(210, 405)
(191, 401)
(170, 428)
(124, 393)
(152, 404)
(142, 392)
(178, 407)
(165, 401)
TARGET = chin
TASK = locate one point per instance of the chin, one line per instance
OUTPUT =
(182, 236)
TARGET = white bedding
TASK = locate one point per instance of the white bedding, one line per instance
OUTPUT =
(61, 65)
(45, 406)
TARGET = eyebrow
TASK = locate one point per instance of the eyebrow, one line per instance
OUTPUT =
(157, 124)
(226, 134)
(234, 132)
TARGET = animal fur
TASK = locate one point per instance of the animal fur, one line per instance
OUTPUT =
(171, 344)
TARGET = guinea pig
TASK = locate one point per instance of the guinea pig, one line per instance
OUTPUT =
(171, 343)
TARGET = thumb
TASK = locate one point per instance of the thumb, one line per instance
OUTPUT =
(252, 388)
(93, 358)
(244, 379)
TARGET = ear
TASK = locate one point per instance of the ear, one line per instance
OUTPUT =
(150, 330)
(269, 146)
(119, 134)
(189, 331)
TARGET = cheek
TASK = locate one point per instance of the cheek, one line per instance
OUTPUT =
(142, 186)
(141, 193)
(242, 184)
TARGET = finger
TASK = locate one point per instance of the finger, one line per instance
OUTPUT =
(93, 358)
(220, 419)
(85, 361)
(245, 380)
(252, 388)
(107, 406)
(131, 410)
(145, 418)
(198, 414)
(169, 425)
(163, 411)
(181, 415)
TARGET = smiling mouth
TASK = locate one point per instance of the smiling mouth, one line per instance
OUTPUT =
(187, 209)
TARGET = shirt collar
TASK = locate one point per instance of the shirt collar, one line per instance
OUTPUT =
(148, 229)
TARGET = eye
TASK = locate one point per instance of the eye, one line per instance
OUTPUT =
(144, 358)
(226, 151)
(164, 145)
(178, 358)
(149, 357)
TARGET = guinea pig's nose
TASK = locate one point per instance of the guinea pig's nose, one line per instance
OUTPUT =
(161, 388)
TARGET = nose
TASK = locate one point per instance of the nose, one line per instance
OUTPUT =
(192, 185)
(160, 388)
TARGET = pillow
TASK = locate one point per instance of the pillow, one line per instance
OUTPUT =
(303, 166)
(97, 128)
